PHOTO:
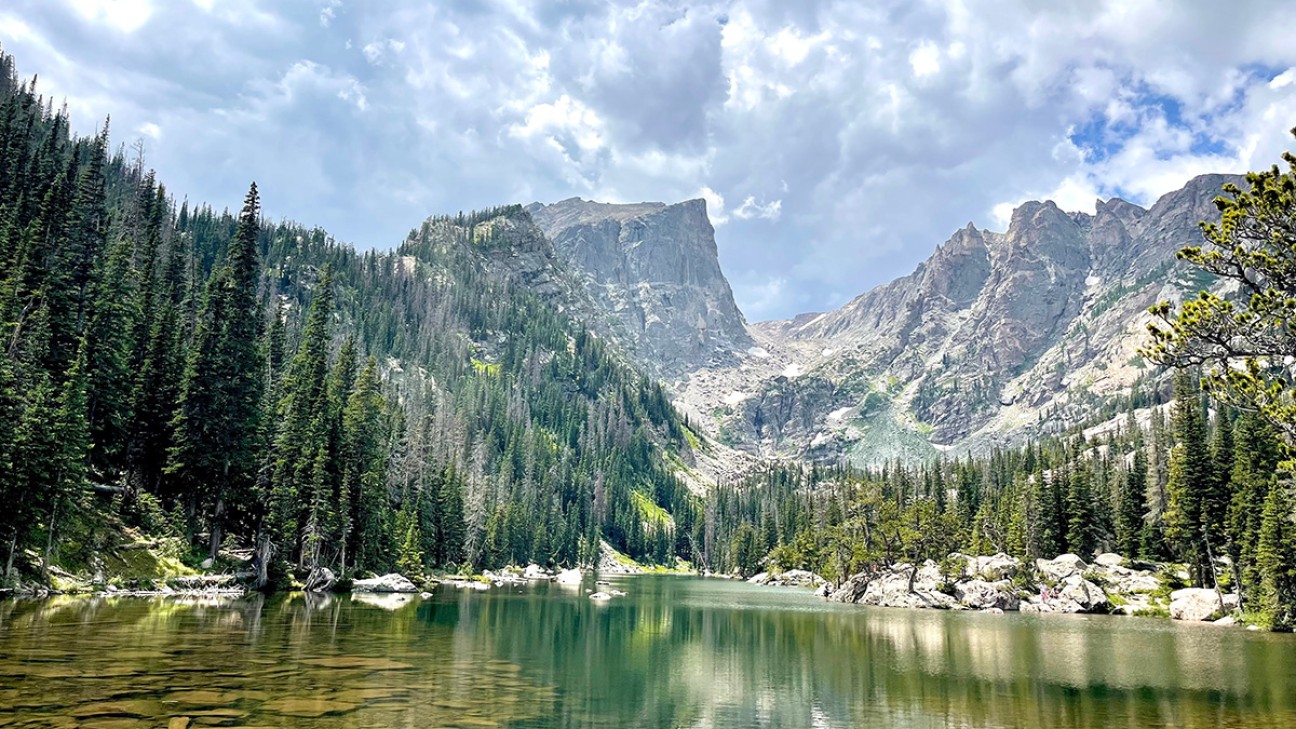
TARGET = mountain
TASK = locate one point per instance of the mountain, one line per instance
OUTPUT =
(227, 381)
(654, 269)
(996, 337)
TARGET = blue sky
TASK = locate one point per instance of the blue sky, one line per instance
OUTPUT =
(837, 143)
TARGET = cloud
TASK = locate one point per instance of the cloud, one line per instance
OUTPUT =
(750, 210)
(836, 143)
(328, 12)
(126, 16)
(715, 204)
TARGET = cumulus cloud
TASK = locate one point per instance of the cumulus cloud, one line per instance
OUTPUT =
(836, 143)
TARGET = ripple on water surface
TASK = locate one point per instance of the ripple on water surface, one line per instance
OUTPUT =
(675, 652)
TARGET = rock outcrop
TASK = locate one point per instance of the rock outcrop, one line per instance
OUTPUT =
(789, 578)
(386, 583)
(1065, 584)
(1200, 605)
(655, 269)
(968, 351)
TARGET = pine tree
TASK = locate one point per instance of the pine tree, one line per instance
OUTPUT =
(298, 494)
(1255, 461)
(1130, 507)
(1080, 512)
(1190, 480)
(214, 456)
(1276, 561)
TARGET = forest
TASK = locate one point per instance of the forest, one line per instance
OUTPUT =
(226, 380)
(233, 382)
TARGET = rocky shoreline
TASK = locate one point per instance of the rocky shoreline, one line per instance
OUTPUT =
(1066, 584)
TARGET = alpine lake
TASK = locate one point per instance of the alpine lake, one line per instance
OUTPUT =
(674, 652)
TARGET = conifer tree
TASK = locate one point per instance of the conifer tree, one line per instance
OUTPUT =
(1190, 480)
(298, 492)
(1129, 509)
(364, 466)
(214, 456)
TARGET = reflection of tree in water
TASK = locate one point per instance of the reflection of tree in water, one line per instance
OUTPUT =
(326, 660)
(676, 652)
(668, 661)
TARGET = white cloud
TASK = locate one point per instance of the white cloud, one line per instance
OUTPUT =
(126, 16)
(868, 131)
(750, 209)
(925, 60)
(328, 12)
(715, 203)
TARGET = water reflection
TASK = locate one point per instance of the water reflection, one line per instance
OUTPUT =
(676, 652)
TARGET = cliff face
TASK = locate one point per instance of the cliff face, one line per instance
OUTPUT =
(654, 269)
(995, 337)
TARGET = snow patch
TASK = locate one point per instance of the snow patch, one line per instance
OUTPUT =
(758, 352)
(812, 322)
(838, 414)
(1093, 280)
(792, 370)
(820, 439)
(829, 351)
(735, 397)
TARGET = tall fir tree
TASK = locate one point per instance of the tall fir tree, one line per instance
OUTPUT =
(214, 455)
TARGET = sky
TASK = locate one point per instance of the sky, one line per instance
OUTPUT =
(837, 144)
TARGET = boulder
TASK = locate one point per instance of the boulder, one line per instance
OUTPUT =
(892, 588)
(1088, 596)
(570, 577)
(852, 590)
(790, 578)
(387, 583)
(994, 568)
(534, 572)
(800, 578)
(1061, 566)
(983, 595)
(1200, 604)
(600, 596)
(1109, 559)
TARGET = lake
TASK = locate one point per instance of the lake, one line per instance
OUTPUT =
(675, 652)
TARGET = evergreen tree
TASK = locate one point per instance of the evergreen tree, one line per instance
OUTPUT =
(1130, 509)
(1190, 481)
(213, 456)
(299, 493)
(1276, 561)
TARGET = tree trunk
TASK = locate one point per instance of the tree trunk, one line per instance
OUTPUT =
(262, 558)
(49, 541)
(13, 547)
(217, 533)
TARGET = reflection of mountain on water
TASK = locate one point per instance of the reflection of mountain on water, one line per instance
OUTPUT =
(676, 652)
(683, 652)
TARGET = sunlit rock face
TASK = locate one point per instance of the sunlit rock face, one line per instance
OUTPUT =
(654, 268)
(995, 338)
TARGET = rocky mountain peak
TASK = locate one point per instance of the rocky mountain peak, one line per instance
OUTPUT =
(656, 269)
(994, 337)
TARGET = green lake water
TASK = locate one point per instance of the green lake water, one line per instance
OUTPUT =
(675, 652)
